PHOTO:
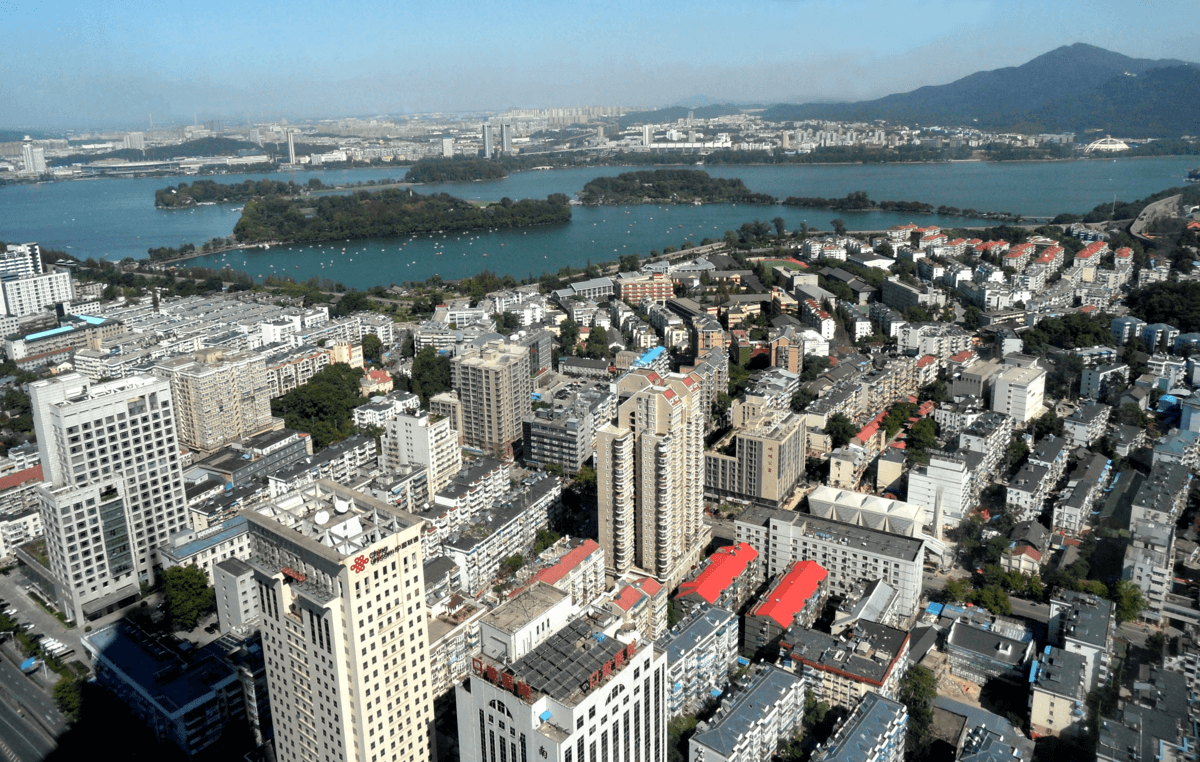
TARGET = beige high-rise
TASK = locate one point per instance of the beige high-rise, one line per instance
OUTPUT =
(494, 386)
(424, 439)
(339, 577)
(650, 476)
(220, 397)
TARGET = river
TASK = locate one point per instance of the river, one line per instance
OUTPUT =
(116, 218)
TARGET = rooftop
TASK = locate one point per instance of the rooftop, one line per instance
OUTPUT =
(1087, 619)
(792, 593)
(865, 653)
(860, 734)
(569, 665)
(524, 607)
(735, 719)
(695, 630)
(829, 530)
(719, 572)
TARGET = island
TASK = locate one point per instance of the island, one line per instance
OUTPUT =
(183, 196)
(454, 170)
(669, 186)
(859, 201)
(386, 213)
(1194, 175)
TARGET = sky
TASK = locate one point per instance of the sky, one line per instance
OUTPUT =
(117, 64)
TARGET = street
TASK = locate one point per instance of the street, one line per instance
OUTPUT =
(20, 739)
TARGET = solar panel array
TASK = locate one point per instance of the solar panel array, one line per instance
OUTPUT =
(565, 663)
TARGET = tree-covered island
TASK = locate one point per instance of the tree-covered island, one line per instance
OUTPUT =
(183, 195)
(669, 186)
(454, 170)
(387, 213)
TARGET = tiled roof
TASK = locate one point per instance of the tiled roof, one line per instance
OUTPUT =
(21, 477)
(722, 568)
(793, 591)
(569, 561)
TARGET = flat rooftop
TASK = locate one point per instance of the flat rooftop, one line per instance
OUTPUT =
(694, 630)
(829, 530)
(524, 607)
(867, 653)
(563, 666)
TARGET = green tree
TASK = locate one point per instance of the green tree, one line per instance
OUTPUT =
(1017, 451)
(597, 343)
(545, 538)
(188, 596)
(68, 697)
(840, 430)
(1128, 599)
(780, 225)
(430, 374)
(568, 336)
(993, 598)
(971, 316)
(918, 689)
(838, 225)
(802, 399)
(372, 348)
(408, 347)
(508, 323)
(324, 407)
(924, 435)
(957, 590)
(352, 301)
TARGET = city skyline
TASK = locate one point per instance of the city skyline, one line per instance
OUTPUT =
(256, 62)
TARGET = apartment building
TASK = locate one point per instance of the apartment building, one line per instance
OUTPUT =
(1020, 393)
(870, 657)
(989, 435)
(946, 487)
(221, 397)
(750, 724)
(1150, 564)
(340, 578)
(1057, 692)
(725, 579)
(1087, 424)
(632, 289)
(874, 732)
(649, 465)
(901, 296)
(1162, 495)
(577, 571)
(701, 650)
(30, 294)
(493, 384)
(113, 489)
(850, 554)
(422, 439)
(766, 447)
(565, 436)
(1084, 624)
(795, 598)
(564, 701)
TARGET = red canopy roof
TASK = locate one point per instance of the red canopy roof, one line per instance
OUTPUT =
(723, 567)
(792, 592)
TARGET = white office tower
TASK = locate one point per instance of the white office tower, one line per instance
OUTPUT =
(339, 576)
(506, 137)
(647, 134)
(447, 148)
(943, 488)
(488, 141)
(291, 136)
(18, 260)
(650, 476)
(578, 697)
(424, 440)
(114, 489)
(33, 157)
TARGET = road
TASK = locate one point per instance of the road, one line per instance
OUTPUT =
(1164, 208)
(12, 589)
(20, 739)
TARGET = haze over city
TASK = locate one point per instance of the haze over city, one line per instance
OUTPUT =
(109, 65)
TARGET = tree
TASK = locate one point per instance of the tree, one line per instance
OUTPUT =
(1048, 423)
(971, 316)
(508, 323)
(838, 225)
(780, 225)
(924, 435)
(993, 598)
(512, 564)
(351, 302)
(408, 347)
(1128, 599)
(430, 374)
(372, 348)
(918, 689)
(840, 430)
(597, 343)
(802, 399)
(188, 596)
(545, 538)
(957, 590)
(1155, 645)
(629, 263)
(68, 697)
(568, 336)
(1017, 451)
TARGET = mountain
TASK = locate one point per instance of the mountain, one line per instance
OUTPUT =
(1074, 86)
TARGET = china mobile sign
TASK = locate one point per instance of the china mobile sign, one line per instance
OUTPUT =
(521, 688)
(375, 556)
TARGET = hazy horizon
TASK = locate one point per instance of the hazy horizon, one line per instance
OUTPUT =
(110, 66)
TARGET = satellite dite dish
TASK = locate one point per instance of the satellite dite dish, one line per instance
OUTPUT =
(322, 517)
(340, 505)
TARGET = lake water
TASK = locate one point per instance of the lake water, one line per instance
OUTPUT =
(116, 218)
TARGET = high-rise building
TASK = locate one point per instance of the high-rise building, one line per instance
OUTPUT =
(220, 396)
(649, 476)
(30, 294)
(494, 386)
(34, 157)
(506, 138)
(291, 137)
(647, 134)
(487, 141)
(135, 141)
(18, 260)
(340, 578)
(422, 439)
(768, 447)
(447, 147)
(114, 489)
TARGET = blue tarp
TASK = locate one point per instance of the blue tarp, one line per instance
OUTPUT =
(934, 608)
(716, 692)
(545, 716)
(743, 661)
(28, 664)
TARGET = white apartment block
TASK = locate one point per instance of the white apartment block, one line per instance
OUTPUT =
(874, 732)
(339, 575)
(524, 621)
(578, 571)
(31, 294)
(1085, 624)
(579, 696)
(943, 488)
(1020, 393)
(752, 722)
(236, 594)
(850, 554)
(701, 650)
(19, 260)
(113, 488)
(17, 528)
(381, 409)
(422, 439)
(464, 500)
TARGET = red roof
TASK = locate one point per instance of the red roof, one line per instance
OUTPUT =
(926, 408)
(722, 568)
(792, 593)
(1088, 308)
(925, 361)
(379, 376)
(899, 445)
(1125, 251)
(628, 596)
(21, 477)
(962, 356)
(1092, 249)
(569, 561)
(648, 586)
(1028, 550)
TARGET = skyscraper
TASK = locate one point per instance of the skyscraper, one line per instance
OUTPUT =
(136, 141)
(493, 383)
(447, 148)
(649, 476)
(220, 396)
(647, 134)
(487, 141)
(34, 157)
(114, 488)
(291, 136)
(339, 576)
(506, 137)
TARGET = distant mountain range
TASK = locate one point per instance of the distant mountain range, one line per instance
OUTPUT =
(1072, 88)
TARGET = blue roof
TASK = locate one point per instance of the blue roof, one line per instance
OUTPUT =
(650, 356)
(229, 529)
(51, 332)
(92, 319)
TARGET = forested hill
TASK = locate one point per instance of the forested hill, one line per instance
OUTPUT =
(678, 186)
(387, 213)
(454, 170)
(1072, 88)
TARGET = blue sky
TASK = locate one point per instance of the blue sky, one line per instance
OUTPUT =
(111, 64)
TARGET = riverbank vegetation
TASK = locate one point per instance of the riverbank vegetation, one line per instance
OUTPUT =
(675, 186)
(454, 170)
(184, 195)
(387, 213)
